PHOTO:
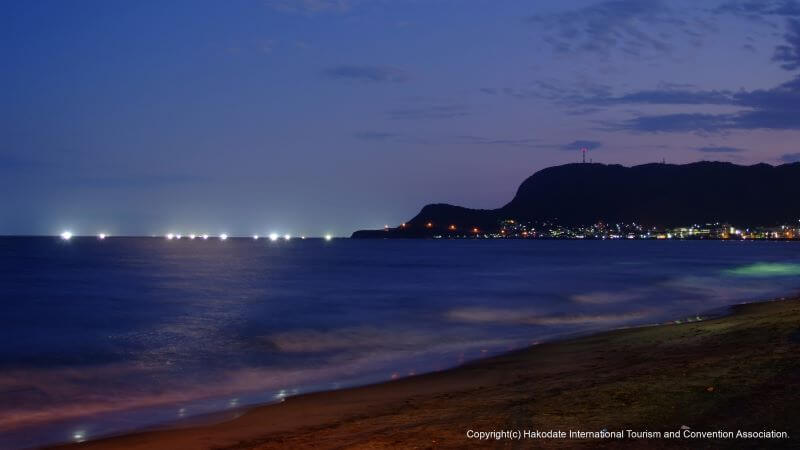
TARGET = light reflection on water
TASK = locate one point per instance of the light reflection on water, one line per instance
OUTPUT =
(105, 336)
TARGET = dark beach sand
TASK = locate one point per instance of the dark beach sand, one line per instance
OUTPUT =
(740, 371)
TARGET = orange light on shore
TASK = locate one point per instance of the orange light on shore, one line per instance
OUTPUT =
(429, 225)
(452, 227)
(475, 230)
(403, 225)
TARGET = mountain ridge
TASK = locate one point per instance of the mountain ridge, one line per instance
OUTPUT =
(654, 194)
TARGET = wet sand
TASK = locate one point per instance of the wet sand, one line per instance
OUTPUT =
(741, 371)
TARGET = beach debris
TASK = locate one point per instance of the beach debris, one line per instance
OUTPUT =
(710, 389)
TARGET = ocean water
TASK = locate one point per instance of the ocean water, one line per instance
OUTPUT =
(102, 337)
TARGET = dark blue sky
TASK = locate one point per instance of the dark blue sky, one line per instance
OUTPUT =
(315, 116)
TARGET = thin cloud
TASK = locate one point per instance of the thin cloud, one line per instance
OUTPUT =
(777, 108)
(429, 112)
(721, 149)
(311, 6)
(788, 54)
(375, 135)
(628, 26)
(758, 8)
(480, 140)
(665, 97)
(578, 145)
(367, 74)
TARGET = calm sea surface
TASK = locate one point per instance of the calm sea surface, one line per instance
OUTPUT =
(100, 337)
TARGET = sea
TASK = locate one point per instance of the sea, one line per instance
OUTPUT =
(101, 337)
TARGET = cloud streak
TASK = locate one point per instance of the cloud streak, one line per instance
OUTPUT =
(429, 112)
(375, 135)
(788, 54)
(721, 149)
(777, 108)
(580, 144)
(312, 6)
(628, 26)
(367, 74)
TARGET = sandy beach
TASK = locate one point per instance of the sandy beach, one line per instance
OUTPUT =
(737, 372)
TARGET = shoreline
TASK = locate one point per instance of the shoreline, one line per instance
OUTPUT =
(624, 378)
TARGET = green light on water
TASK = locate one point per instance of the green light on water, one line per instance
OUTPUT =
(765, 270)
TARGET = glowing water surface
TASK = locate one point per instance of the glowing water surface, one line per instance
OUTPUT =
(104, 336)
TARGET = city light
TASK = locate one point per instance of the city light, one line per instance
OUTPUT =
(170, 236)
(223, 236)
(67, 235)
(101, 236)
(192, 236)
(205, 237)
(287, 236)
(255, 237)
(177, 236)
(328, 237)
(273, 236)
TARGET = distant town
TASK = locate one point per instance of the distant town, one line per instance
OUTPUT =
(512, 229)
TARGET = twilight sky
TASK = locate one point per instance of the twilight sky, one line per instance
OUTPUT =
(315, 116)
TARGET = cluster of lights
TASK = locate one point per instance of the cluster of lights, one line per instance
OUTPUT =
(67, 235)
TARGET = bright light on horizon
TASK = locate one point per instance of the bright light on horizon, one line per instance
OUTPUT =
(255, 237)
(328, 237)
(170, 236)
(192, 236)
(101, 236)
(205, 236)
(273, 236)
(223, 236)
(79, 436)
(177, 236)
(66, 235)
(287, 236)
